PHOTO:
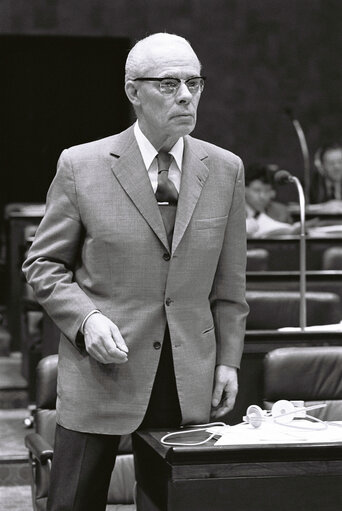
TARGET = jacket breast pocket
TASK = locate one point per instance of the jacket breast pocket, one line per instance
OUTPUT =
(210, 223)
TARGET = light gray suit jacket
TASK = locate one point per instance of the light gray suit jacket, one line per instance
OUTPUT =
(100, 246)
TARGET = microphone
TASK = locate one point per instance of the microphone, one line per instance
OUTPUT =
(285, 177)
(289, 112)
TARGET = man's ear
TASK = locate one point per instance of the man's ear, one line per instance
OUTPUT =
(273, 194)
(132, 92)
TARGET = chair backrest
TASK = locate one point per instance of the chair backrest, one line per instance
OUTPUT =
(257, 259)
(46, 395)
(46, 374)
(310, 374)
(332, 259)
(270, 310)
(122, 481)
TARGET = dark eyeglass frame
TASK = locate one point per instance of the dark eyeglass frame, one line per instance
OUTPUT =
(178, 80)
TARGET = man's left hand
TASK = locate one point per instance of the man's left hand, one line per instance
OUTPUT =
(225, 390)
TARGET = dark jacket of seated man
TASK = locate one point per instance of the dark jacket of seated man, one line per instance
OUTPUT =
(326, 181)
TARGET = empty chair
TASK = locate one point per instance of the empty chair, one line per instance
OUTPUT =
(270, 310)
(332, 259)
(257, 259)
(40, 446)
(310, 374)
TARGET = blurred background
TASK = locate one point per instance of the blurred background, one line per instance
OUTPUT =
(62, 76)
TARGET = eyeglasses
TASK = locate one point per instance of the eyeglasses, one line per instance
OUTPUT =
(169, 86)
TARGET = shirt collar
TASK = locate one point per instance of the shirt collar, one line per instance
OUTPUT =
(149, 152)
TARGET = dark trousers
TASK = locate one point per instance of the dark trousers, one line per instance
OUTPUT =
(83, 462)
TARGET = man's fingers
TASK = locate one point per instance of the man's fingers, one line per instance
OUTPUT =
(106, 352)
(217, 394)
(114, 353)
(118, 339)
(224, 406)
(219, 412)
(230, 401)
(97, 352)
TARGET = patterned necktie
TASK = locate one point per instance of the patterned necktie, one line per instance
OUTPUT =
(166, 191)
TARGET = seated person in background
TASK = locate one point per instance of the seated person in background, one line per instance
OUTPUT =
(265, 216)
(326, 183)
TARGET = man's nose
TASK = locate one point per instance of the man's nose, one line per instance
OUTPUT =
(183, 94)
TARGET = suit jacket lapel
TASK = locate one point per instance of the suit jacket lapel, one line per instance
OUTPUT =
(129, 169)
(194, 175)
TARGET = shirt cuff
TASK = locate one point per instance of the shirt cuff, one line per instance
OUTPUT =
(85, 319)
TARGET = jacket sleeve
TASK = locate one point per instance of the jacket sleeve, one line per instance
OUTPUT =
(228, 302)
(54, 255)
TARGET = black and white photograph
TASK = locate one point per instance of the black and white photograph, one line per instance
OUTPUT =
(171, 255)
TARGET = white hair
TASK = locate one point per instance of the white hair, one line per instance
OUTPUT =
(137, 56)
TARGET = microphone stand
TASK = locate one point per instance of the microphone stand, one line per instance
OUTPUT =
(304, 149)
(282, 177)
(302, 254)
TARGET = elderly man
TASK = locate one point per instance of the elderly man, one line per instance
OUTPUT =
(140, 261)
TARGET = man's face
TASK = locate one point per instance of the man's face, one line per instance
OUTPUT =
(167, 117)
(332, 164)
(259, 195)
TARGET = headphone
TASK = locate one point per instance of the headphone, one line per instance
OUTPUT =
(282, 412)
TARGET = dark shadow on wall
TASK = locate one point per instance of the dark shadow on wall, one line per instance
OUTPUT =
(55, 92)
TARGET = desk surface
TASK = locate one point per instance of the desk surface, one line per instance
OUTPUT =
(25, 210)
(262, 341)
(323, 210)
(209, 452)
(288, 238)
(312, 275)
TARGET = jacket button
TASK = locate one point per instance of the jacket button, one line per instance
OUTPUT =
(166, 257)
(168, 301)
(157, 345)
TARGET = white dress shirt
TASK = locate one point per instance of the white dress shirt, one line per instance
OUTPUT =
(149, 153)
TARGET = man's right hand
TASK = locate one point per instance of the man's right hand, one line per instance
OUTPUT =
(103, 340)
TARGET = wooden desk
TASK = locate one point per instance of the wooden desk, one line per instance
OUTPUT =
(326, 281)
(301, 477)
(284, 250)
(326, 213)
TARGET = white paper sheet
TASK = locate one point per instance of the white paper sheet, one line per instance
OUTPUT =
(335, 327)
(271, 433)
